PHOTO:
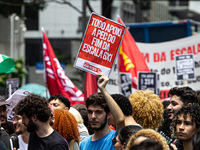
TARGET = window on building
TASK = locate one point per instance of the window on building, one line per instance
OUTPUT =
(128, 12)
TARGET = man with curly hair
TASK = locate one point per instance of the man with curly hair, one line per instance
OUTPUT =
(99, 106)
(147, 109)
(36, 116)
(184, 125)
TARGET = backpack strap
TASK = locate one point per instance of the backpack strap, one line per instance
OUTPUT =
(15, 142)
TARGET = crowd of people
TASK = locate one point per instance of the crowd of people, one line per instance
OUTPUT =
(106, 122)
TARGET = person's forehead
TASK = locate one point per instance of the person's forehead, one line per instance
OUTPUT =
(176, 99)
(95, 108)
(56, 101)
(185, 117)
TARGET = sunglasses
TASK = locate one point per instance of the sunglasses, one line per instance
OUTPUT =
(114, 140)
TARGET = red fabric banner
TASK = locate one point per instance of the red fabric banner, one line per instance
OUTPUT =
(56, 80)
(90, 84)
(130, 59)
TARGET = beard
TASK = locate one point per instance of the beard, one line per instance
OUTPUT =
(31, 127)
(103, 124)
(18, 132)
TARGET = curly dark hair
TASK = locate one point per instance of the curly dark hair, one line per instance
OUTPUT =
(193, 111)
(186, 94)
(97, 99)
(34, 104)
(123, 103)
(62, 99)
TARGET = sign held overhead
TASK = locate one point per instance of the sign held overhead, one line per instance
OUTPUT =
(100, 45)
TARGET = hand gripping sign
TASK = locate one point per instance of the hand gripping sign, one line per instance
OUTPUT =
(100, 45)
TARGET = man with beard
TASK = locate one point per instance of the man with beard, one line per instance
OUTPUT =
(99, 106)
(20, 141)
(36, 116)
(8, 126)
(185, 124)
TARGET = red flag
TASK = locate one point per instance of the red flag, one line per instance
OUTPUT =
(56, 80)
(90, 85)
(130, 59)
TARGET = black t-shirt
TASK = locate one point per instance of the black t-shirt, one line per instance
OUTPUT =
(52, 142)
(4, 137)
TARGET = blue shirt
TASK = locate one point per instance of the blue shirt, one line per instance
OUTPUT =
(104, 143)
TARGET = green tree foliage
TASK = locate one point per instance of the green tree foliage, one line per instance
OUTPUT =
(19, 72)
(8, 7)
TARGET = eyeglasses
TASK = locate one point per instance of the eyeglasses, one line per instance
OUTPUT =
(114, 140)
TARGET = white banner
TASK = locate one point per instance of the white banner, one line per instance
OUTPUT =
(160, 58)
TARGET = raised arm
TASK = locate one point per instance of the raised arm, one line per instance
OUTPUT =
(113, 106)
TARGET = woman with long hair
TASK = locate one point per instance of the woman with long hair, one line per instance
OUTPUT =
(67, 126)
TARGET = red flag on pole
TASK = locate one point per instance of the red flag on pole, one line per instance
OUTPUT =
(56, 80)
(90, 85)
(130, 59)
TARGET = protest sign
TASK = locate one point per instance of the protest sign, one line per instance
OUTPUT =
(184, 66)
(13, 100)
(100, 45)
(160, 58)
(11, 86)
(125, 83)
(147, 80)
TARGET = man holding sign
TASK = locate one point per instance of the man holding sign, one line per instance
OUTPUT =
(99, 106)
(100, 45)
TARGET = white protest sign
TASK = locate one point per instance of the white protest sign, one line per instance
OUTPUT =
(184, 67)
(13, 100)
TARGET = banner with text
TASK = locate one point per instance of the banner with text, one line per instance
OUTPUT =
(160, 58)
(100, 45)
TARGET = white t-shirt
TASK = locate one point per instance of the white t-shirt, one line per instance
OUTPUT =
(22, 145)
(83, 131)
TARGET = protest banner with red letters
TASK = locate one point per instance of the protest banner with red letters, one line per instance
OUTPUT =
(160, 58)
(100, 45)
